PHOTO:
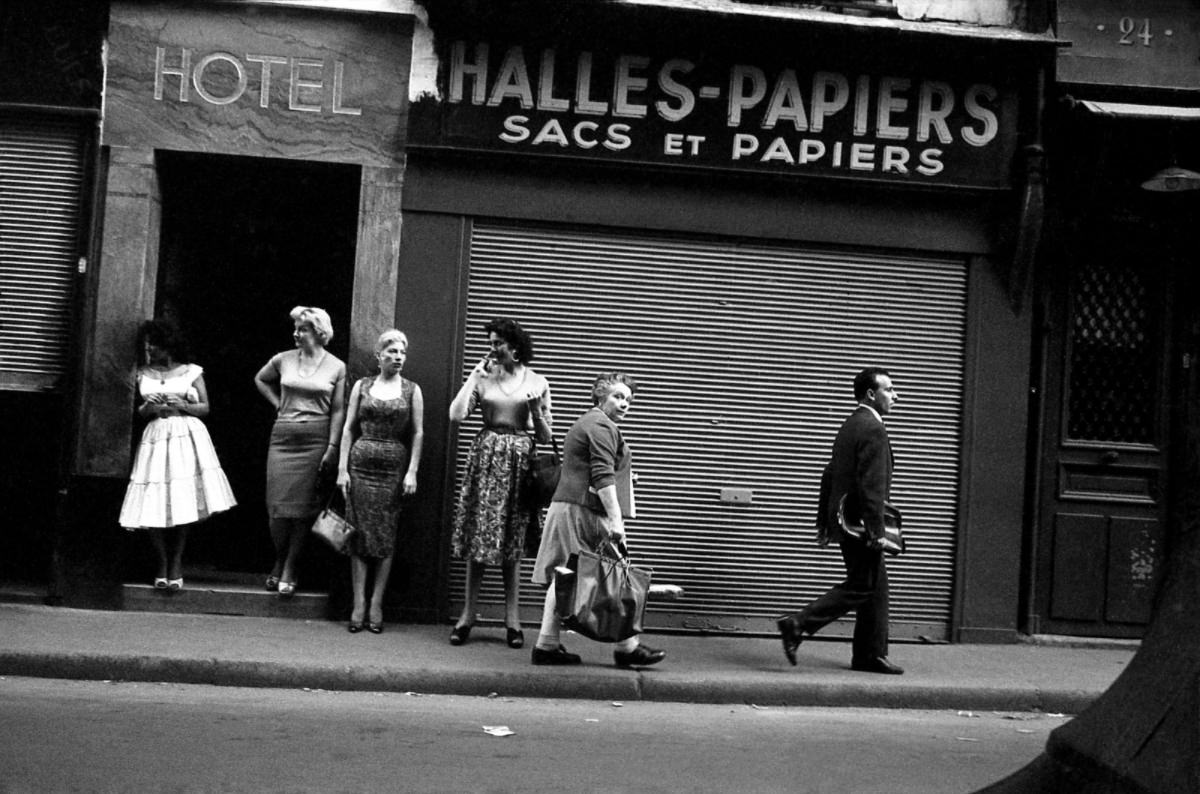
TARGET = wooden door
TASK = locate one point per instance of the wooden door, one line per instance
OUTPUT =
(1103, 513)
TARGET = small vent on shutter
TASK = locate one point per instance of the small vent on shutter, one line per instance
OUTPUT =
(745, 353)
(41, 179)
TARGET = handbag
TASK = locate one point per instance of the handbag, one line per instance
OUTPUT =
(892, 542)
(601, 596)
(333, 528)
(544, 472)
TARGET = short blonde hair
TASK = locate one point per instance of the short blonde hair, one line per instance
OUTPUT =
(607, 381)
(317, 318)
(389, 336)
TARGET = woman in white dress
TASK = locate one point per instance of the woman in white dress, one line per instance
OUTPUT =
(176, 480)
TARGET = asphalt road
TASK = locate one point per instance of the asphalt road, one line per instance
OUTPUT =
(99, 737)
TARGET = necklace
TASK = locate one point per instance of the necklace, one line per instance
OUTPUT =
(315, 367)
(161, 374)
(513, 390)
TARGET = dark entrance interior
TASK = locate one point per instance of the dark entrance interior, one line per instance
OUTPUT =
(244, 240)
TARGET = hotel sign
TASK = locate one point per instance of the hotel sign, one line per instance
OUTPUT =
(784, 117)
(263, 82)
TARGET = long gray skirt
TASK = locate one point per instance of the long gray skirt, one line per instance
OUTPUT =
(569, 527)
(293, 460)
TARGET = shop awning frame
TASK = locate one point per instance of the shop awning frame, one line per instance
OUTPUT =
(1128, 110)
(992, 34)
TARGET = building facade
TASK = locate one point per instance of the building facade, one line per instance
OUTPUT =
(253, 159)
(740, 204)
(1119, 332)
(50, 88)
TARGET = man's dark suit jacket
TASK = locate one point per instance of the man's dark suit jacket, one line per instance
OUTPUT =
(860, 470)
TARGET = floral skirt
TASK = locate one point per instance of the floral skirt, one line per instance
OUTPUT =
(495, 511)
(377, 469)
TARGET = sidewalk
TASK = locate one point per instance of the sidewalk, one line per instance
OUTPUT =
(56, 642)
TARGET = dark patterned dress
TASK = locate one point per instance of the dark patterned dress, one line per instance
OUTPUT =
(378, 462)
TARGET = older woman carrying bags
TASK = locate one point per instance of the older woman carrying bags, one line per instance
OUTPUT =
(381, 452)
(495, 505)
(307, 388)
(587, 511)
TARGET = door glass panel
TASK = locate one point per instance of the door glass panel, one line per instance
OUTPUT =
(1114, 358)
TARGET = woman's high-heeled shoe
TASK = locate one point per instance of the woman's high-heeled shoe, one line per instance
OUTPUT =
(375, 628)
(459, 634)
(516, 638)
(272, 584)
(287, 589)
(355, 626)
(175, 585)
(160, 583)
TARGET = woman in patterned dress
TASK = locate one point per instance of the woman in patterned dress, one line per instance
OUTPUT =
(380, 455)
(306, 386)
(176, 480)
(495, 506)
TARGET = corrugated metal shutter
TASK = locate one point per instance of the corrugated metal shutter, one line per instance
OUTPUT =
(745, 353)
(41, 180)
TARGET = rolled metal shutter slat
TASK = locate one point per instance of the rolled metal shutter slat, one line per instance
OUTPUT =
(745, 353)
(41, 180)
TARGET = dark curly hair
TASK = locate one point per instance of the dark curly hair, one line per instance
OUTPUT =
(511, 332)
(164, 334)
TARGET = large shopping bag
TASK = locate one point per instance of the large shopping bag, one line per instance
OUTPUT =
(601, 596)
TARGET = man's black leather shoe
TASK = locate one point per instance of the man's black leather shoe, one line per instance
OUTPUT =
(790, 633)
(641, 656)
(876, 664)
(558, 656)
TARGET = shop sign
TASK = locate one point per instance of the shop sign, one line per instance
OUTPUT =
(1140, 43)
(271, 83)
(794, 117)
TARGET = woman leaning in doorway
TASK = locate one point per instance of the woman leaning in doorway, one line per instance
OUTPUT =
(306, 386)
(495, 506)
(176, 480)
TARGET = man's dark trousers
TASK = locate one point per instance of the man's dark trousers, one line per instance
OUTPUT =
(864, 591)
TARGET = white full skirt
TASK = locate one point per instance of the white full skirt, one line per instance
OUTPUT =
(176, 478)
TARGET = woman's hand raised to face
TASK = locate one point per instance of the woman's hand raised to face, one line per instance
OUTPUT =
(482, 369)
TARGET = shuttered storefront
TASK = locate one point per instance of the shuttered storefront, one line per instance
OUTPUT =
(41, 180)
(745, 353)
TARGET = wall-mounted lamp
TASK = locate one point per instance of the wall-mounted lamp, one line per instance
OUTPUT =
(1172, 179)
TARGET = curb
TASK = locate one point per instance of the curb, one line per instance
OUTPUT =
(577, 683)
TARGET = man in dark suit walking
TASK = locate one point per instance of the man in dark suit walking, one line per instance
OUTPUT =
(861, 471)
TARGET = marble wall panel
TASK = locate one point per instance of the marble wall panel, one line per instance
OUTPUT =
(273, 82)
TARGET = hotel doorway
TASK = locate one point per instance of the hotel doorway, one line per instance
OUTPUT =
(244, 240)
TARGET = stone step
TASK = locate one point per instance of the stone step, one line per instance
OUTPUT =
(22, 594)
(222, 598)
